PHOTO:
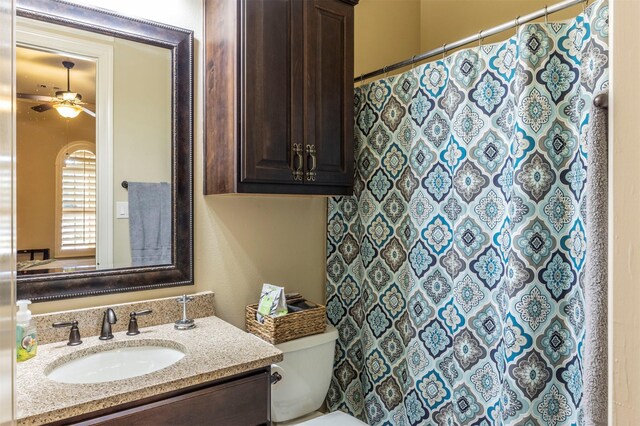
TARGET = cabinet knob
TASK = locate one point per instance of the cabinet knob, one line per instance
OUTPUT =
(311, 167)
(296, 161)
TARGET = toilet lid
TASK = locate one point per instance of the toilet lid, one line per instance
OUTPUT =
(337, 418)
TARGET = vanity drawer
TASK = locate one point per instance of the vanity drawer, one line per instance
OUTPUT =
(243, 401)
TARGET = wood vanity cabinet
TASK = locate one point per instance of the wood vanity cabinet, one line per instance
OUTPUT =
(279, 96)
(241, 400)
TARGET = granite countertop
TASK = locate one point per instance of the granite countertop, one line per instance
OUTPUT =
(213, 350)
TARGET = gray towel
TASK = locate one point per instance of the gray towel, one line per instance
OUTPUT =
(596, 272)
(150, 223)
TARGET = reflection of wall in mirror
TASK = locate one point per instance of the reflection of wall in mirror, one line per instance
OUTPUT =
(142, 126)
(38, 143)
(141, 143)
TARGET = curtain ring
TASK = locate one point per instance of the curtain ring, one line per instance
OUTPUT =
(546, 15)
(384, 70)
(480, 38)
(444, 50)
(361, 75)
(585, 3)
(517, 23)
(413, 62)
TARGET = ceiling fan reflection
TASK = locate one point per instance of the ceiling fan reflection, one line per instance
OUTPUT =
(67, 103)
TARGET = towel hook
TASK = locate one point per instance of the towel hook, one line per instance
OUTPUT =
(546, 15)
(125, 184)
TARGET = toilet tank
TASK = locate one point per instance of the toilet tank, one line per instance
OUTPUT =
(306, 374)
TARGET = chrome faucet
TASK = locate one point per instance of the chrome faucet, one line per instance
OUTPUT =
(108, 319)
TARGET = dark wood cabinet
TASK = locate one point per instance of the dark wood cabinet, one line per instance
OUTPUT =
(242, 401)
(279, 96)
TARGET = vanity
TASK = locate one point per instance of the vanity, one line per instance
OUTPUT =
(223, 378)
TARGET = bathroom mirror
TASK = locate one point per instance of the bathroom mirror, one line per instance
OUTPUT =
(104, 152)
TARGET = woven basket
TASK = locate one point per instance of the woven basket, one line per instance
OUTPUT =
(291, 326)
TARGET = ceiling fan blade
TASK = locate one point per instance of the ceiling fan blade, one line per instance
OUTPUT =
(88, 111)
(39, 98)
(42, 107)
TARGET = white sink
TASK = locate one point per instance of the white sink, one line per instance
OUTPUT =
(115, 364)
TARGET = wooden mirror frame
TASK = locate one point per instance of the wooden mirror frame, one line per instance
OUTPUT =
(46, 287)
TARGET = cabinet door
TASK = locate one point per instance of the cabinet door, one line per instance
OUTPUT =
(241, 402)
(271, 90)
(328, 107)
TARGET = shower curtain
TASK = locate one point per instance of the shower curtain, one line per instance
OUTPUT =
(455, 272)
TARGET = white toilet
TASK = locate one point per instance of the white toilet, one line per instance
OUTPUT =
(305, 377)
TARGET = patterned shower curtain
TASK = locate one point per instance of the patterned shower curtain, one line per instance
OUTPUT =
(455, 272)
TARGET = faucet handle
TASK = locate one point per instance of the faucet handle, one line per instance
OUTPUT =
(133, 321)
(74, 333)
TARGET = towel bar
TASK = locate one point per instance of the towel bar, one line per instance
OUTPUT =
(601, 101)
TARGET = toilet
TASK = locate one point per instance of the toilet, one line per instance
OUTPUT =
(305, 375)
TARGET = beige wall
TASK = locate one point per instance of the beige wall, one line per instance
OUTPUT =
(624, 293)
(446, 21)
(7, 215)
(386, 31)
(389, 31)
(141, 126)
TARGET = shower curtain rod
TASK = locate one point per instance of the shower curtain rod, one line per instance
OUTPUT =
(481, 35)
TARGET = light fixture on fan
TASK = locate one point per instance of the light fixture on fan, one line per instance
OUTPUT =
(68, 106)
(67, 110)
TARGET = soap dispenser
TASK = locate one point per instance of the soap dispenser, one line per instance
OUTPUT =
(26, 338)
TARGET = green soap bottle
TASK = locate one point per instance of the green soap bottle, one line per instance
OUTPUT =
(26, 337)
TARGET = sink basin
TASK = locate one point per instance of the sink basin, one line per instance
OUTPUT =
(115, 364)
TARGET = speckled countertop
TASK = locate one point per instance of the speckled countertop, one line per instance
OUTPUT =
(214, 350)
